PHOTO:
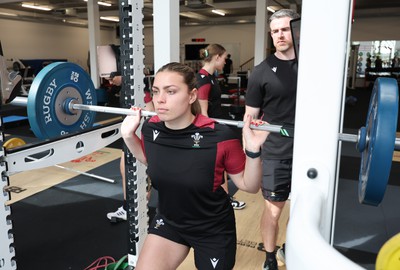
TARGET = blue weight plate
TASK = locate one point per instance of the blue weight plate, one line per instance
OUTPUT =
(381, 126)
(52, 86)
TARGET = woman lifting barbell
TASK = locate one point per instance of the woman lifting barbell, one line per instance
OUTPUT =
(186, 154)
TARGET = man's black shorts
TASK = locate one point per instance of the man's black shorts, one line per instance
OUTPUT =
(277, 179)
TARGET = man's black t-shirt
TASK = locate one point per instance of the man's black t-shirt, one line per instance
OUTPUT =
(228, 66)
(272, 87)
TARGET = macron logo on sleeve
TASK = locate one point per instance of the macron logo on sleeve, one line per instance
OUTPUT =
(155, 134)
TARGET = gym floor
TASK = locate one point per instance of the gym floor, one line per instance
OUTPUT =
(59, 218)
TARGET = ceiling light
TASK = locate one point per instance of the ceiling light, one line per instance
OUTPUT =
(75, 22)
(36, 7)
(110, 18)
(219, 12)
(271, 9)
(102, 3)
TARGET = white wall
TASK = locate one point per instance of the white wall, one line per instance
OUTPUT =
(382, 28)
(238, 40)
(29, 40)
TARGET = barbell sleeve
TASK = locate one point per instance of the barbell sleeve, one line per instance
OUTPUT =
(20, 101)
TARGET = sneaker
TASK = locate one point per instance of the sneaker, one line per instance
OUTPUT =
(237, 205)
(280, 254)
(270, 265)
(118, 215)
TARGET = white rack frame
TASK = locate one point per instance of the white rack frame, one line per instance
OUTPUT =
(325, 36)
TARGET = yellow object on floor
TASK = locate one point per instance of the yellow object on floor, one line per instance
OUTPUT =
(389, 255)
(13, 142)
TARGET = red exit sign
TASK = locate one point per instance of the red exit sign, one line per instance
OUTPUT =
(198, 40)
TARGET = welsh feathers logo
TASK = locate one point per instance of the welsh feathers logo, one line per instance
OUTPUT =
(196, 139)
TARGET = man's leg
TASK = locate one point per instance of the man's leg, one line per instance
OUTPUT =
(276, 185)
(269, 230)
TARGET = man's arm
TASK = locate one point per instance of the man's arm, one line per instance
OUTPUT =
(254, 112)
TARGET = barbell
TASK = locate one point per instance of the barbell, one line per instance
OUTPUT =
(62, 100)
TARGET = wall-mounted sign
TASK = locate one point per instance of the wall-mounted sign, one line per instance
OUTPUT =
(198, 40)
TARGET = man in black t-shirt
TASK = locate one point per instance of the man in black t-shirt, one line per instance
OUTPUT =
(227, 68)
(271, 95)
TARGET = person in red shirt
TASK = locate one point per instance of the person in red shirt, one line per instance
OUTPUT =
(186, 154)
(209, 93)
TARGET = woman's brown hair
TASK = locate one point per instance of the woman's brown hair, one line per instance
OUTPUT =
(213, 49)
